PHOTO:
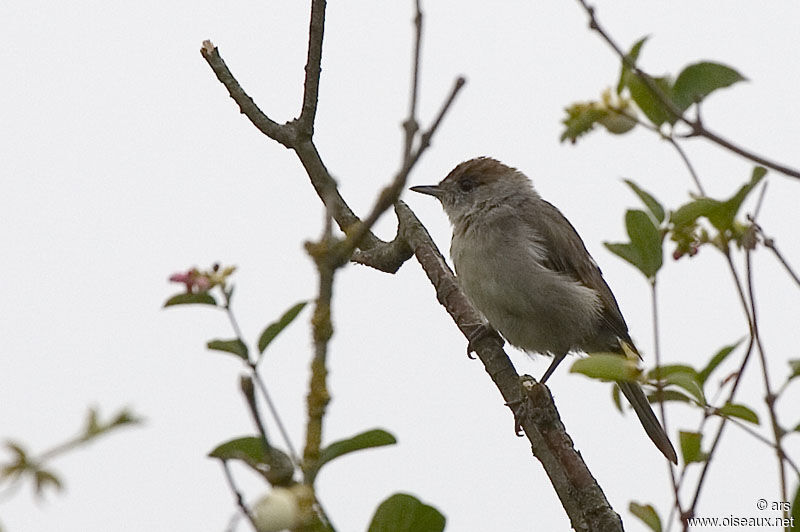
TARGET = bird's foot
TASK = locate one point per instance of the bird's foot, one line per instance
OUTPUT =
(480, 332)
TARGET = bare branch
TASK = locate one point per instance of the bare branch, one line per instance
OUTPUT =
(687, 162)
(411, 125)
(660, 388)
(316, 31)
(769, 243)
(238, 494)
(581, 496)
(425, 141)
(777, 432)
(734, 388)
(765, 441)
(282, 134)
(391, 193)
(386, 257)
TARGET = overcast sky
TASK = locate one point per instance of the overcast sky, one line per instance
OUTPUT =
(122, 160)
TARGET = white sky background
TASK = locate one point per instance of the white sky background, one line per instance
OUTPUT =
(123, 160)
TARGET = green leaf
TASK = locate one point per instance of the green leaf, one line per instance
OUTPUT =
(95, 427)
(796, 511)
(46, 479)
(607, 366)
(616, 397)
(581, 118)
(690, 447)
(669, 395)
(625, 251)
(645, 248)
(687, 214)
(697, 81)
(273, 329)
(662, 372)
(365, 440)
(730, 208)
(405, 513)
(633, 56)
(270, 462)
(648, 102)
(249, 449)
(124, 417)
(647, 514)
(235, 346)
(794, 365)
(19, 465)
(646, 239)
(716, 360)
(738, 410)
(721, 214)
(689, 382)
(650, 202)
(203, 298)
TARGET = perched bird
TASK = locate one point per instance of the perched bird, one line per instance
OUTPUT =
(524, 267)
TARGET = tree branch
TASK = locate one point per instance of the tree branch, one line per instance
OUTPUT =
(581, 496)
(697, 128)
(283, 134)
(316, 30)
(391, 193)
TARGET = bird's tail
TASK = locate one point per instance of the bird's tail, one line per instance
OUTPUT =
(633, 392)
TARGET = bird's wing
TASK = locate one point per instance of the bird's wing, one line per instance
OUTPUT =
(562, 247)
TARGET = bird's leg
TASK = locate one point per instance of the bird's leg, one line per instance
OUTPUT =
(520, 406)
(481, 331)
(553, 365)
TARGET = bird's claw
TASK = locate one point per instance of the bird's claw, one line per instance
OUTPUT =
(518, 408)
(479, 333)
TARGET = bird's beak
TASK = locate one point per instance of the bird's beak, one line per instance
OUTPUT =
(430, 190)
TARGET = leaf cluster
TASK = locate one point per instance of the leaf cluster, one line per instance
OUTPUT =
(398, 513)
(664, 105)
(23, 464)
(649, 227)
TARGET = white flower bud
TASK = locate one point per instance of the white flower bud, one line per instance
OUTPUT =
(277, 510)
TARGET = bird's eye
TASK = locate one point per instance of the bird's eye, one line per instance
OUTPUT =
(466, 184)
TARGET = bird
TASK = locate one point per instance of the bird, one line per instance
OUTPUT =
(522, 264)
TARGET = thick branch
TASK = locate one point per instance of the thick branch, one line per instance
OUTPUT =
(581, 496)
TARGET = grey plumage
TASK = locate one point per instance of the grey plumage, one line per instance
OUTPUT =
(525, 268)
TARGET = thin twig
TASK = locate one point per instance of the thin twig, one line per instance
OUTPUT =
(316, 30)
(770, 397)
(740, 373)
(769, 243)
(697, 128)
(411, 126)
(660, 387)
(765, 441)
(252, 366)
(391, 193)
(246, 384)
(276, 417)
(686, 161)
(238, 495)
